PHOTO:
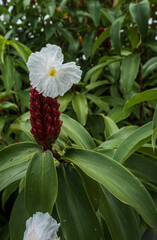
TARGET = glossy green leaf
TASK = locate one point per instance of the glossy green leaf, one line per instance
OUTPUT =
(140, 14)
(8, 73)
(2, 123)
(111, 175)
(115, 33)
(133, 37)
(99, 66)
(2, 48)
(8, 191)
(100, 103)
(23, 50)
(77, 217)
(14, 161)
(41, 183)
(94, 10)
(143, 167)
(50, 5)
(65, 100)
(149, 67)
(120, 218)
(88, 43)
(92, 189)
(154, 137)
(18, 218)
(117, 114)
(101, 39)
(8, 105)
(155, 118)
(141, 97)
(80, 106)
(77, 133)
(93, 85)
(134, 141)
(129, 71)
(24, 127)
(110, 127)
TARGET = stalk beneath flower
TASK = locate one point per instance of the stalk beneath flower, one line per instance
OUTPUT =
(44, 118)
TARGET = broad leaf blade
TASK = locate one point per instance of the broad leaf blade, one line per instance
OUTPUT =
(117, 179)
(41, 183)
(130, 66)
(119, 217)
(80, 107)
(133, 142)
(140, 14)
(78, 219)
(76, 132)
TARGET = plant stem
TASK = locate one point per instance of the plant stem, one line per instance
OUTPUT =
(5, 142)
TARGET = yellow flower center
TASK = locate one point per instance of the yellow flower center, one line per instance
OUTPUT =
(52, 72)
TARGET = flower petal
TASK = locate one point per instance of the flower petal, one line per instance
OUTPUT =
(41, 227)
(47, 73)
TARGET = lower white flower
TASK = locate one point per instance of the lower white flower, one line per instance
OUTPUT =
(49, 75)
(41, 227)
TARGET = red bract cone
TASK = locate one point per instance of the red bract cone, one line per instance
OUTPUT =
(44, 118)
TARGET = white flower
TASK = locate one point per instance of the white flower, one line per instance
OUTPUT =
(41, 227)
(49, 75)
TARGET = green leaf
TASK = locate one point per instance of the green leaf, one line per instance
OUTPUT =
(78, 219)
(8, 105)
(119, 217)
(110, 126)
(140, 14)
(155, 118)
(77, 133)
(149, 67)
(50, 5)
(93, 85)
(14, 160)
(2, 123)
(92, 189)
(115, 33)
(18, 218)
(2, 48)
(88, 43)
(117, 113)
(141, 97)
(100, 103)
(23, 50)
(134, 141)
(129, 71)
(133, 37)
(111, 175)
(65, 100)
(143, 167)
(94, 7)
(41, 183)
(24, 127)
(99, 66)
(80, 106)
(24, 97)
(154, 137)
(100, 40)
(8, 191)
(8, 72)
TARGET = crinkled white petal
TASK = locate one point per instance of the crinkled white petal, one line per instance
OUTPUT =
(41, 63)
(41, 227)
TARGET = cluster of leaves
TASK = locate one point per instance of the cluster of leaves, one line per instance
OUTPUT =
(104, 186)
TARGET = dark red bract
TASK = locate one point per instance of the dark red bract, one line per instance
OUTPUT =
(44, 118)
